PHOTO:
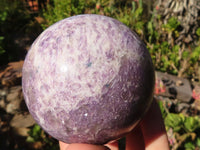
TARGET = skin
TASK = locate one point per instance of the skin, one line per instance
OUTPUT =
(150, 134)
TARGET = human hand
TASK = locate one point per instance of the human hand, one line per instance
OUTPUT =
(150, 134)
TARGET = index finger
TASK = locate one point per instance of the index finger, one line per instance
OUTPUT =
(78, 146)
(150, 134)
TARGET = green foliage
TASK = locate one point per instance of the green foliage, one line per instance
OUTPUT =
(13, 12)
(169, 57)
(13, 19)
(198, 32)
(63, 9)
(128, 13)
(165, 57)
(174, 121)
(132, 17)
(3, 16)
(162, 109)
(195, 55)
(198, 141)
(1, 45)
(172, 24)
(36, 134)
(192, 144)
(189, 146)
(180, 122)
(191, 124)
(185, 128)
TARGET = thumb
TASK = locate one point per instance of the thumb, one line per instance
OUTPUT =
(86, 147)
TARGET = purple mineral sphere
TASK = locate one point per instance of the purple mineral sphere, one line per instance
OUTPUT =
(88, 79)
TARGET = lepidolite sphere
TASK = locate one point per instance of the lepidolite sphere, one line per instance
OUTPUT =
(88, 79)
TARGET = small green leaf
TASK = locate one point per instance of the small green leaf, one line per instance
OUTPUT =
(195, 54)
(1, 38)
(139, 25)
(189, 146)
(191, 124)
(162, 109)
(182, 117)
(185, 54)
(2, 50)
(140, 3)
(150, 27)
(158, 16)
(138, 12)
(198, 142)
(133, 7)
(173, 23)
(176, 48)
(198, 32)
(3, 16)
(30, 139)
(36, 129)
(35, 132)
(174, 121)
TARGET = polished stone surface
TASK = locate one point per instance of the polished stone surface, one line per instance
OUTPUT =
(88, 79)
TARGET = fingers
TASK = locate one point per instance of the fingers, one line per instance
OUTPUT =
(135, 140)
(153, 129)
(86, 147)
(113, 145)
(64, 146)
(150, 134)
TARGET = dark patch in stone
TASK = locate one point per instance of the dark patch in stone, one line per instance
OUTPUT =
(89, 64)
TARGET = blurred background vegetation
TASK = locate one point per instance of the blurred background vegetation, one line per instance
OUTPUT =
(169, 28)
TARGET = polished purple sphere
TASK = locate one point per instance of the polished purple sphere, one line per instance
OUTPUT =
(88, 79)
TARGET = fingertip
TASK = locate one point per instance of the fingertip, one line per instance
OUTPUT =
(153, 129)
(113, 145)
(135, 139)
(63, 146)
(86, 147)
